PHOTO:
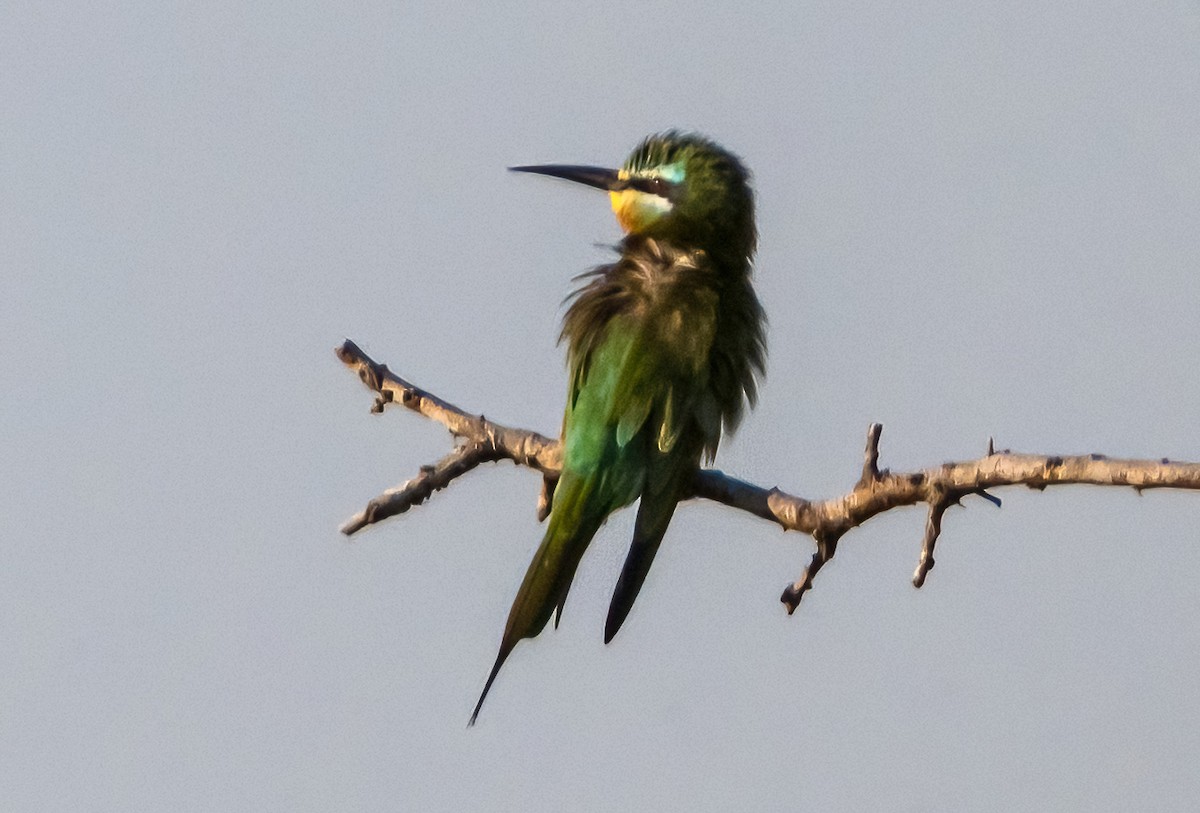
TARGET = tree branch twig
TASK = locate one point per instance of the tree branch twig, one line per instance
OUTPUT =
(826, 521)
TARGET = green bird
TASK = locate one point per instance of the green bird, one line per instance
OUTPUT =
(664, 347)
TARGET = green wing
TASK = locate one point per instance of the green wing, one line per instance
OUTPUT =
(601, 473)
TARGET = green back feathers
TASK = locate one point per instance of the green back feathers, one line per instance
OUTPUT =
(703, 361)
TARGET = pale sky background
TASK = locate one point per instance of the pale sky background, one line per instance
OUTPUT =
(976, 219)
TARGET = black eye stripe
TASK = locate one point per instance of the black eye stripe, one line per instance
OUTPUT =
(652, 186)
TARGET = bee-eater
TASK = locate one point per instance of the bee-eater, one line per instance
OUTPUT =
(664, 347)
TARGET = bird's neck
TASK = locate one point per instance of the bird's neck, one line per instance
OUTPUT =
(725, 261)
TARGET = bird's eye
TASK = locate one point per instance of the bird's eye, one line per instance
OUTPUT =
(654, 186)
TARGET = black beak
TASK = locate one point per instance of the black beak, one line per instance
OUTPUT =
(592, 176)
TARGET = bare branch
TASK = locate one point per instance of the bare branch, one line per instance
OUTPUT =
(415, 491)
(518, 445)
(826, 521)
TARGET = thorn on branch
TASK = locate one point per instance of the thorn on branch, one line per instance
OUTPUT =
(826, 548)
(933, 529)
(991, 449)
(870, 470)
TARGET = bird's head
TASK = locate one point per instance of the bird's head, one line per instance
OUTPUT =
(678, 187)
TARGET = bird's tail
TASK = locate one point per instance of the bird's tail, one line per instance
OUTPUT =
(573, 523)
(668, 480)
(654, 515)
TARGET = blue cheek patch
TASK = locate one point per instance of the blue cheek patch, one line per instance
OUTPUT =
(671, 172)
